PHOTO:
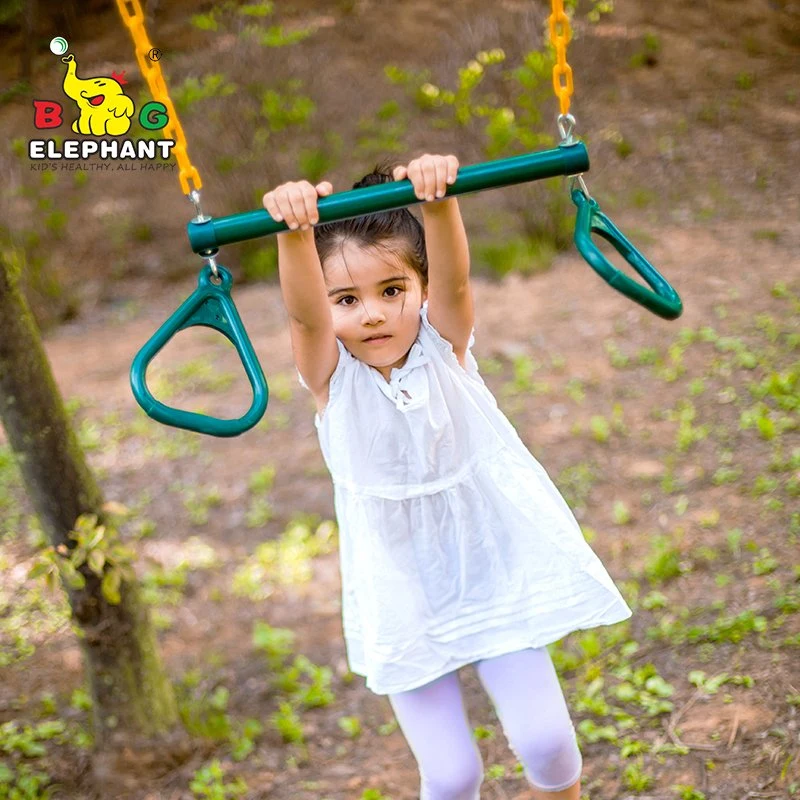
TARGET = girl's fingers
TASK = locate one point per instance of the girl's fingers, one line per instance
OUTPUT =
(417, 178)
(296, 203)
(285, 211)
(429, 173)
(310, 203)
(271, 206)
(452, 169)
(297, 213)
(398, 173)
(441, 176)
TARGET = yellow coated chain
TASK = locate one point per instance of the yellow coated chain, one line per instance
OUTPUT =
(133, 17)
(560, 34)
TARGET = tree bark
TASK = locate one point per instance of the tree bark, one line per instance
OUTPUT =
(134, 706)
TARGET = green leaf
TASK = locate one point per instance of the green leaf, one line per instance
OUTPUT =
(110, 585)
(40, 568)
(96, 562)
(74, 579)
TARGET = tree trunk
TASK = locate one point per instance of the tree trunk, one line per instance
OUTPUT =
(134, 705)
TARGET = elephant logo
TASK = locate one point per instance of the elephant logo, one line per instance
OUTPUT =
(104, 107)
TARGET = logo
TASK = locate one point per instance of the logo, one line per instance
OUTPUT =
(103, 109)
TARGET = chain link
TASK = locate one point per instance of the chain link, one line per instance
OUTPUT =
(133, 17)
(560, 34)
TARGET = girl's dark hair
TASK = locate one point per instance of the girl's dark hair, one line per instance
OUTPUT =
(398, 232)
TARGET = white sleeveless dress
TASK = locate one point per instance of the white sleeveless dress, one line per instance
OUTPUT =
(454, 544)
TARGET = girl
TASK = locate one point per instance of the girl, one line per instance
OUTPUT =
(455, 546)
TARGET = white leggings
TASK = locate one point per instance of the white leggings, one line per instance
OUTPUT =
(530, 705)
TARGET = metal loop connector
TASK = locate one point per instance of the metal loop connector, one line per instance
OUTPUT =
(194, 197)
(212, 262)
(584, 188)
(566, 126)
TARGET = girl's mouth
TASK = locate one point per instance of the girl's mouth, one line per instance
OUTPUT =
(377, 340)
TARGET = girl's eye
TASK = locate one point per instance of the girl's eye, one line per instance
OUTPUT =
(348, 296)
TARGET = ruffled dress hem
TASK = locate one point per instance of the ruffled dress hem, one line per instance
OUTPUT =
(519, 640)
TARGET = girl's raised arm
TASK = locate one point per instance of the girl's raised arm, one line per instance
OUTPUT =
(299, 268)
(303, 285)
(450, 304)
(451, 307)
(302, 282)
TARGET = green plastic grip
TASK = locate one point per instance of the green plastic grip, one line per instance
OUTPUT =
(208, 236)
(210, 305)
(663, 300)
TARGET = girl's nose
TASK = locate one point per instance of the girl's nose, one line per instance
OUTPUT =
(373, 311)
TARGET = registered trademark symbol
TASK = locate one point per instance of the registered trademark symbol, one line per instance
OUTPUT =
(154, 54)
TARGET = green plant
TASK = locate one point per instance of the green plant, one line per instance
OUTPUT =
(350, 725)
(243, 739)
(498, 107)
(600, 428)
(286, 109)
(262, 479)
(664, 562)
(198, 500)
(373, 794)
(23, 782)
(317, 694)
(276, 643)
(623, 147)
(635, 778)
(27, 741)
(207, 715)
(259, 513)
(193, 91)
(647, 55)
(516, 254)
(688, 792)
(259, 261)
(288, 724)
(286, 561)
(98, 548)
(381, 132)
(208, 783)
(621, 513)
(315, 162)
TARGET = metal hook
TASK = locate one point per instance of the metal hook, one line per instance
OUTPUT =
(584, 187)
(209, 256)
(194, 197)
(566, 125)
(212, 262)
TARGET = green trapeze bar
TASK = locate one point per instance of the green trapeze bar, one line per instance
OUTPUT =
(207, 237)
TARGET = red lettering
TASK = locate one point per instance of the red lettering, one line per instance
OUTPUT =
(47, 114)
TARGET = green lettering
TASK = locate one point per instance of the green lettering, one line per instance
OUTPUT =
(152, 116)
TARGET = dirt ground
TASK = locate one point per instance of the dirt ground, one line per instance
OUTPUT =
(721, 224)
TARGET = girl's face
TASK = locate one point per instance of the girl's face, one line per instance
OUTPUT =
(372, 293)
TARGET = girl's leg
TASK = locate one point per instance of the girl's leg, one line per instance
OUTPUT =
(527, 697)
(434, 721)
